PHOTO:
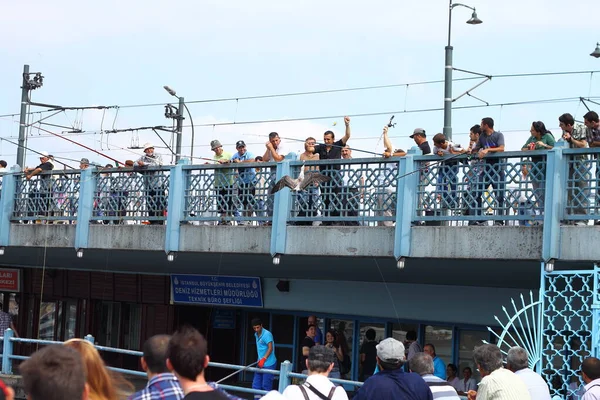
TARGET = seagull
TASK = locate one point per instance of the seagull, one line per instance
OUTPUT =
(301, 183)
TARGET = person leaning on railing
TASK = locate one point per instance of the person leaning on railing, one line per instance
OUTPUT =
(540, 139)
(40, 197)
(592, 122)
(576, 136)
(156, 201)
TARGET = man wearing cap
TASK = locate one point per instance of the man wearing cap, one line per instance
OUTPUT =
(155, 182)
(84, 163)
(320, 362)
(246, 180)
(40, 195)
(420, 139)
(391, 383)
(223, 181)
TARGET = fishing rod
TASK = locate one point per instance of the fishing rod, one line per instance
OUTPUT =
(321, 144)
(236, 372)
(82, 145)
(42, 154)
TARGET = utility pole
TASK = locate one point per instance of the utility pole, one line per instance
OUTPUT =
(179, 130)
(23, 118)
(28, 85)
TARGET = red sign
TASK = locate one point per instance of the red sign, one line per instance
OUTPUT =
(10, 280)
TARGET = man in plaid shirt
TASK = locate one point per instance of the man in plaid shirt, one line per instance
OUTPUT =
(162, 384)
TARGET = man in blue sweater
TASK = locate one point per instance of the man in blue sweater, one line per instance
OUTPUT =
(391, 383)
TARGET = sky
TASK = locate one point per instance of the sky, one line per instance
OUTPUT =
(122, 53)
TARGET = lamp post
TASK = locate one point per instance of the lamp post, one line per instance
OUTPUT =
(596, 53)
(448, 75)
(180, 125)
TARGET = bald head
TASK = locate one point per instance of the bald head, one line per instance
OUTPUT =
(155, 353)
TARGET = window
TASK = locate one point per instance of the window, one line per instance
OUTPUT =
(441, 338)
(345, 331)
(47, 321)
(71, 320)
(132, 324)
(467, 341)
(399, 331)
(108, 315)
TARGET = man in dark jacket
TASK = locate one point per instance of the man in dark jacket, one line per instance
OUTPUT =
(391, 383)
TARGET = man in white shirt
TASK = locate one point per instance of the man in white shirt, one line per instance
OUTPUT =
(319, 363)
(517, 362)
(497, 382)
(590, 371)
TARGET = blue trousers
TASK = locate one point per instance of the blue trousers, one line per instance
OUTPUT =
(264, 381)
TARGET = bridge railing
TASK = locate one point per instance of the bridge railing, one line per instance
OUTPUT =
(51, 195)
(229, 193)
(360, 192)
(508, 187)
(582, 184)
(284, 373)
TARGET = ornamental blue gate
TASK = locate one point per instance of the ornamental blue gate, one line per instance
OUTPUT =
(570, 306)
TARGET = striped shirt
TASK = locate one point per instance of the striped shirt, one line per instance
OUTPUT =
(440, 389)
(502, 384)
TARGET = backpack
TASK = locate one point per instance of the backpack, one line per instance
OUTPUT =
(315, 391)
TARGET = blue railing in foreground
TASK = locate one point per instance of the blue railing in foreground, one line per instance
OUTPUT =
(285, 373)
(509, 187)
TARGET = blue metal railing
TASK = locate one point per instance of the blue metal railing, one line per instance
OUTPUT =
(285, 373)
(549, 188)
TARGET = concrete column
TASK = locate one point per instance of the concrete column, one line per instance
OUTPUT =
(176, 205)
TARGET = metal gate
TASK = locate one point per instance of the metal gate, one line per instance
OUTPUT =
(569, 328)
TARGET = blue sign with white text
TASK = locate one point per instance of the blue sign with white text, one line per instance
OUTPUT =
(236, 291)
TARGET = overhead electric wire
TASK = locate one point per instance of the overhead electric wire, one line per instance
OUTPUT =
(313, 92)
(267, 121)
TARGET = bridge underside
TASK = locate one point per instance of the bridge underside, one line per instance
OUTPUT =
(458, 272)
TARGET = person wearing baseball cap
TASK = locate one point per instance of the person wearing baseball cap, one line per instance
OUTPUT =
(246, 180)
(156, 200)
(84, 163)
(392, 382)
(224, 179)
(420, 138)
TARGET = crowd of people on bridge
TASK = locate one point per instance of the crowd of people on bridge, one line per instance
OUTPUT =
(176, 365)
(241, 194)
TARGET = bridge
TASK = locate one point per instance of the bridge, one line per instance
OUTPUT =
(424, 243)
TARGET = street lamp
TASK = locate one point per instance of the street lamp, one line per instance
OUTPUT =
(474, 20)
(596, 53)
(180, 124)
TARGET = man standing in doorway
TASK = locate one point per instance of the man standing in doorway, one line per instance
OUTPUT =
(439, 368)
(312, 320)
(6, 322)
(265, 347)
(307, 343)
